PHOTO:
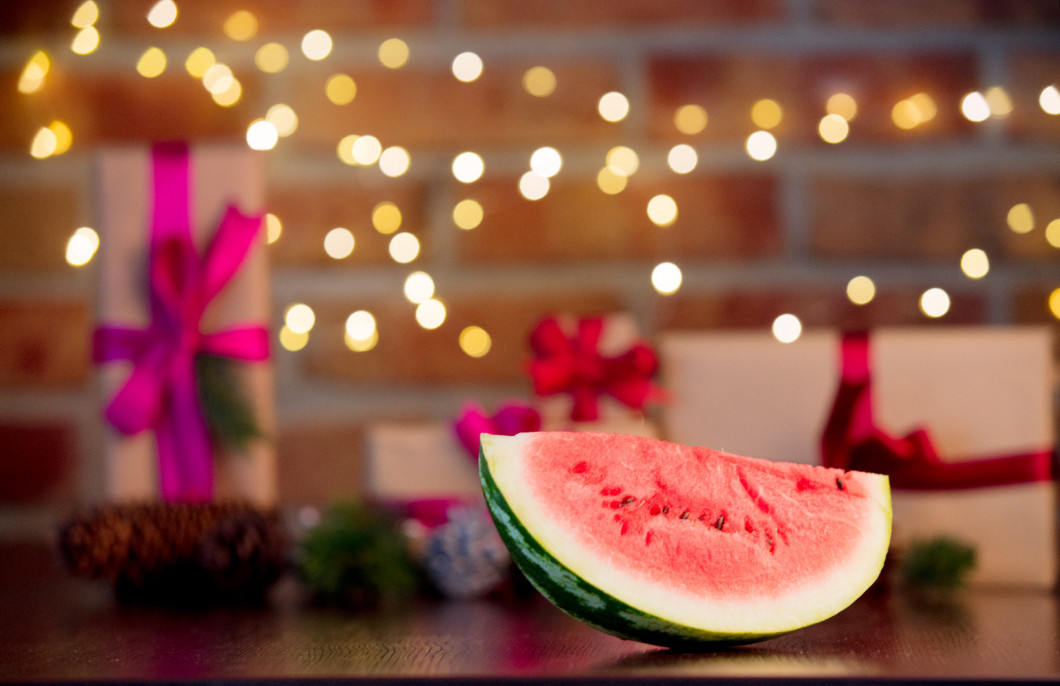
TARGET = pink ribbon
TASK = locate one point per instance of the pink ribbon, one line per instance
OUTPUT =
(573, 364)
(509, 420)
(851, 440)
(161, 392)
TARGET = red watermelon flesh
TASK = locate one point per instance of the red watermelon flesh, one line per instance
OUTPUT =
(683, 533)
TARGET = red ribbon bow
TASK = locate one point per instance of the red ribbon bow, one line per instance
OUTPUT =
(509, 420)
(573, 364)
(851, 440)
(161, 391)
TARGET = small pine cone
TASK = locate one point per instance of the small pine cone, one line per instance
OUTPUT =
(244, 552)
(465, 557)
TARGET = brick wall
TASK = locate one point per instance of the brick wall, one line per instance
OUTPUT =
(754, 239)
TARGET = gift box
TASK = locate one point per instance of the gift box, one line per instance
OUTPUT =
(181, 268)
(962, 418)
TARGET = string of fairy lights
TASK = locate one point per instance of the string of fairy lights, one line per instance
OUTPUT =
(619, 164)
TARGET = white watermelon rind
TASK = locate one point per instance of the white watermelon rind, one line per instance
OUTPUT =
(582, 600)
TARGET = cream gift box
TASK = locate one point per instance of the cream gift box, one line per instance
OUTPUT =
(418, 460)
(980, 392)
(220, 175)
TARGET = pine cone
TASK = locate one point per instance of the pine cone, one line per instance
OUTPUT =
(465, 557)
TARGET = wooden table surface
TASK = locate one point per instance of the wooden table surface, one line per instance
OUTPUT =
(53, 628)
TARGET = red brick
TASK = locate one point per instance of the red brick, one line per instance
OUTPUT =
(109, 107)
(408, 355)
(1042, 194)
(279, 18)
(718, 216)
(308, 212)
(36, 221)
(939, 13)
(43, 344)
(39, 463)
(320, 463)
(814, 306)
(426, 107)
(1029, 74)
(915, 218)
(595, 14)
(727, 86)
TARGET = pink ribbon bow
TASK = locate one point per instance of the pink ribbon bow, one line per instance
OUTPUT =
(574, 365)
(851, 440)
(509, 420)
(161, 392)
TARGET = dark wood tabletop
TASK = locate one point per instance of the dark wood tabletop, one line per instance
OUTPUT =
(54, 628)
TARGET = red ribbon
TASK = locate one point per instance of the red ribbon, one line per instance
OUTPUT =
(573, 364)
(161, 392)
(509, 420)
(852, 440)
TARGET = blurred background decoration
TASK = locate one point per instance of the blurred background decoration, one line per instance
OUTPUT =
(444, 173)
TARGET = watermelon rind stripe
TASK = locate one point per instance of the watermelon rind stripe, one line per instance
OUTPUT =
(584, 601)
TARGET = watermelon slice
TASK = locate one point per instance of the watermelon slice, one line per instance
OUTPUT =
(681, 546)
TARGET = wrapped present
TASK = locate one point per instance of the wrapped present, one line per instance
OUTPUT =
(593, 374)
(961, 418)
(182, 302)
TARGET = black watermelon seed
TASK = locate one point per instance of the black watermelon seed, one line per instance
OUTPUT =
(839, 483)
(720, 523)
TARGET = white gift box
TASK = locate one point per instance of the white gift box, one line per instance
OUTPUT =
(418, 460)
(221, 175)
(979, 392)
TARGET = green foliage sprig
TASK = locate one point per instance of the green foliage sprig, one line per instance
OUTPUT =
(940, 563)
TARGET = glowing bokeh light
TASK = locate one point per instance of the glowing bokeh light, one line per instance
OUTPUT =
(662, 210)
(430, 314)
(546, 162)
(999, 102)
(262, 135)
(1052, 233)
(539, 82)
(1020, 218)
(272, 58)
(33, 74)
(622, 160)
(393, 53)
(81, 246)
(610, 182)
(230, 95)
(1054, 303)
(787, 328)
(360, 325)
(613, 106)
(1049, 100)
(86, 41)
(861, 290)
(767, 114)
(404, 247)
(366, 150)
(386, 217)
(273, 228)
(151, 63)
(533, 186)
(905, 115)
(345, 149)
(394, 161)
(682, 158)
(842, 104)
(44, 143)
(339, 243)
(199, 61)
(974, 263)
(86, 14)
(419, 287)
(283, 118)
(934, 302)
(468, 214)
(926, 110)
(475, 341)
(218, 78)
(690, 119)
(467, 66)
(833, 128)
(361, 345)
(64, 138)
(316, 44)
(761, 146)
(299, 318)
(241, 25)
(291, 340)
(468, 167)
(666, 278)
(162, 14)
(974, 107)
(340, 89)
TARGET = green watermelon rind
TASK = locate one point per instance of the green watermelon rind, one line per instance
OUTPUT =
(585, 602)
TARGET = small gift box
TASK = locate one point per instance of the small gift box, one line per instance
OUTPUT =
(182, 303)
(961, 418)
(593, 374)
